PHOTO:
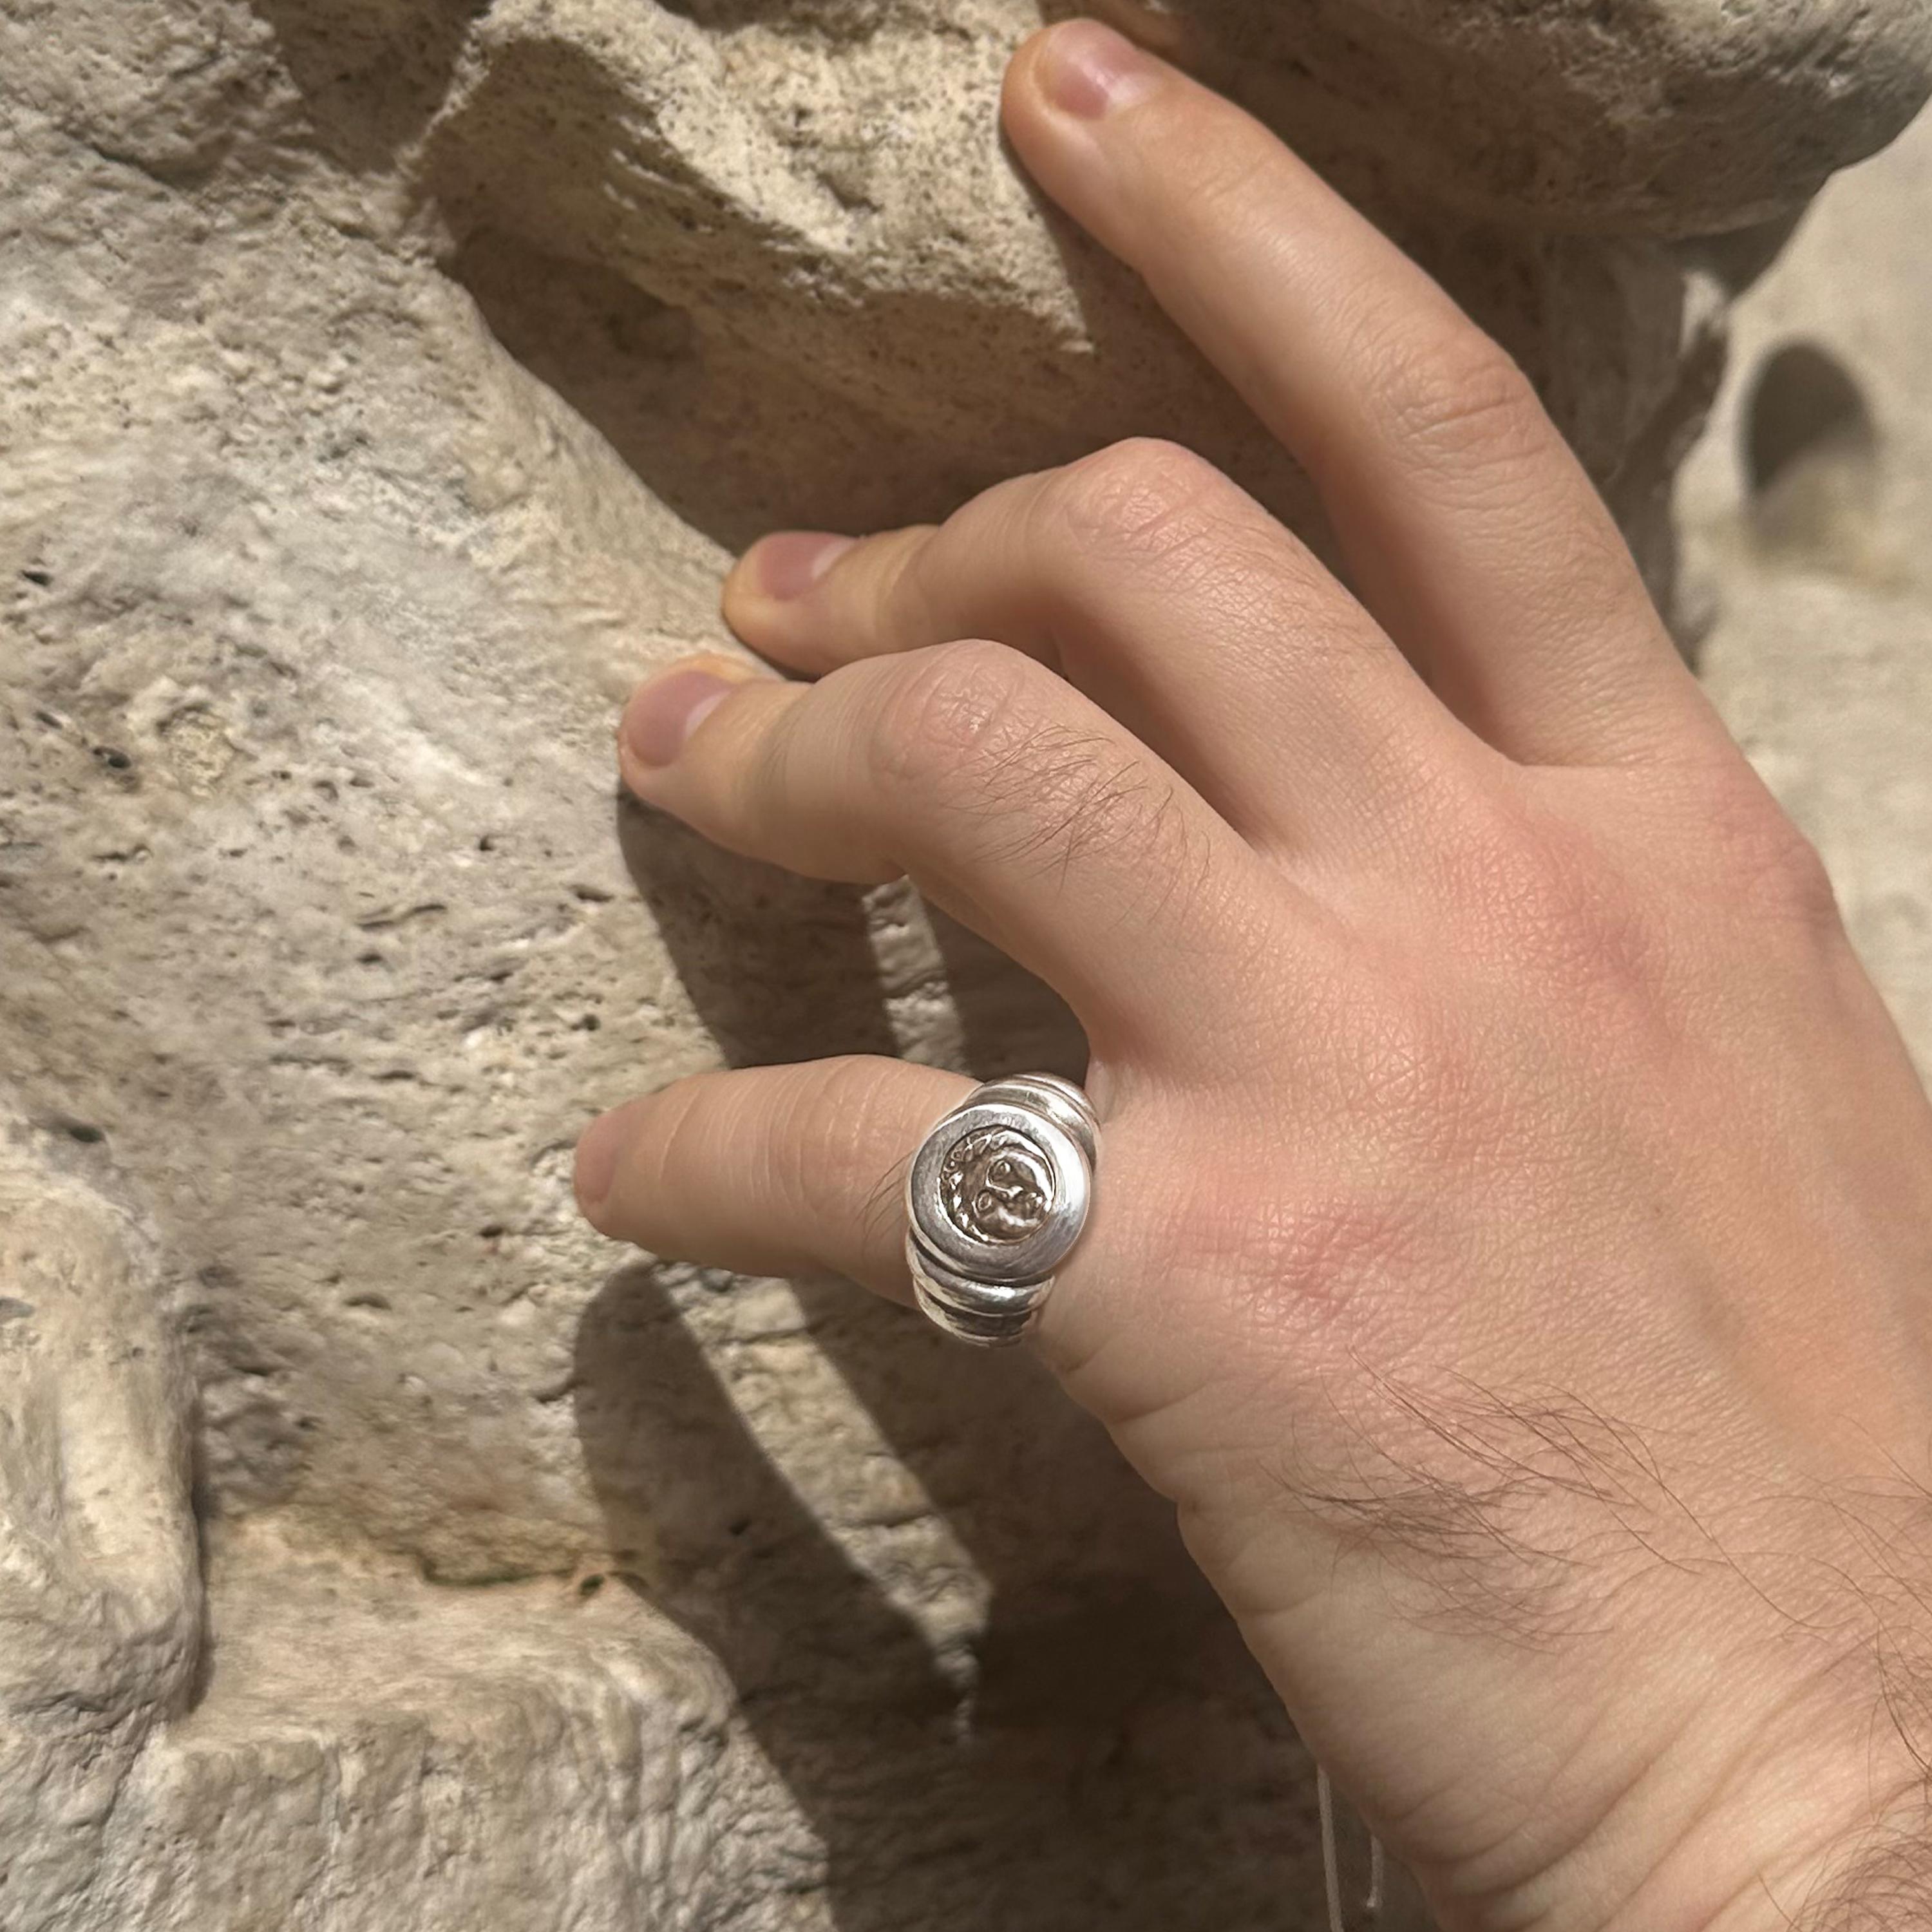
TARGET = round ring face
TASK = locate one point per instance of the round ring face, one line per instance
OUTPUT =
(998, 1192)
(995, 1185)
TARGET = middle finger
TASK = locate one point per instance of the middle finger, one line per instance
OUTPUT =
(1009, 798)
(1166, 593)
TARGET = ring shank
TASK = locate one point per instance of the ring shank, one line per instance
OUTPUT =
(986, 1313)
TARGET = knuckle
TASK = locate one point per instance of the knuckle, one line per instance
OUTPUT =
(1145, 497)
(976, 730)
(1082, 797)
(1286, 1260)
(1282, 1256)
(1802, 883)
(1228, 170)
(1613, 915)
(1452, 398)
(662, 1123)
(1581, 918)
(944, 715)
(1766, 862)
(1544, 893)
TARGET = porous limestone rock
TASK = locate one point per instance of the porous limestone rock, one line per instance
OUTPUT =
(100, 1598)
(1806, 510)
(387, 382)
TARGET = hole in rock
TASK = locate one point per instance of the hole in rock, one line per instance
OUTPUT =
(1810, 450)
(1804, 403)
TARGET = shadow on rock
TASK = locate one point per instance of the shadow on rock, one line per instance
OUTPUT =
(782, 968)
(1036, 1777)
(779, 967)
(371, 78)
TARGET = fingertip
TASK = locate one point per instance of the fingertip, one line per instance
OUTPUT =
(780, 568)
(1019, 81)
(743, 605)
(1075, 70)
(664, 712)
(599, 1147)
(766, 597)
(1024, 113)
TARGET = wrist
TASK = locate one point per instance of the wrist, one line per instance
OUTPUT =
(1873, 1873)
(1821, 1826)
(1758, 1806)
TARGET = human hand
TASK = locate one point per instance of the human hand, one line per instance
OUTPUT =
(1512, 1245)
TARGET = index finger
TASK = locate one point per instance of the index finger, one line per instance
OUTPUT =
(1471, 530)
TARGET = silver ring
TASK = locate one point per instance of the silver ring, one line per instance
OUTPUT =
(996, 1197)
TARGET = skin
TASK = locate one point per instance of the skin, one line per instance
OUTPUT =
(1512, 1250)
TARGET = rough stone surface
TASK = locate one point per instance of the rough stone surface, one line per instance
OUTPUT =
(101, 1599)
(387, 382)
(1806, 510)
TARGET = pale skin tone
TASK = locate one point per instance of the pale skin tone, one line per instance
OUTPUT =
(1512, 1252)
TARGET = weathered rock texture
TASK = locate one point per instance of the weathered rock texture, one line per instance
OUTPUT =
(386, 382)
(1807, 511)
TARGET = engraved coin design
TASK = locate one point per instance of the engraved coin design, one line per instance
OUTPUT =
(996, 1185)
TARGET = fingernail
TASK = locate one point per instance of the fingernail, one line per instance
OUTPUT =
(1087, 70)
(662, 714)
(788, 564)
(597, 1153)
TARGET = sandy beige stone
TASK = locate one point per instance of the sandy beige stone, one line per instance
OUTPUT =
(388, 381)
(1819, 571)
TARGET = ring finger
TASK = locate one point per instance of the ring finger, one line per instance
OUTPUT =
(769, 1170)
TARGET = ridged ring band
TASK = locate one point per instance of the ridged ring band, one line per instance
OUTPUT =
(996, 1197)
